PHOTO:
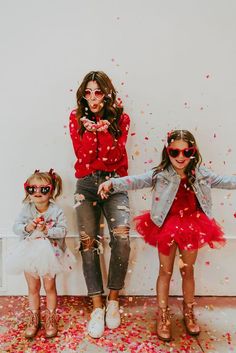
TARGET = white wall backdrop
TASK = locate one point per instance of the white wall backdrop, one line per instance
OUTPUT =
(172, 62)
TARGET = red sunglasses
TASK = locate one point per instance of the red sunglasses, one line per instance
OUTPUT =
(187, 152)
(43, 189)
(98, 94)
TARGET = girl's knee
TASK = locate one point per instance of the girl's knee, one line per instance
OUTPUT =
(187, 271)
(33, 290)
(165, 272)
(49, 285)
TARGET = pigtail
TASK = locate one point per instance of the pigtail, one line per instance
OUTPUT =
(56, 183)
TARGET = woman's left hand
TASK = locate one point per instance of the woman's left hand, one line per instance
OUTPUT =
(89, 125)
(102, 125)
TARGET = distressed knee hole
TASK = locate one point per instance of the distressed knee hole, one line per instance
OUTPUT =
(121, 231)
(86, 242)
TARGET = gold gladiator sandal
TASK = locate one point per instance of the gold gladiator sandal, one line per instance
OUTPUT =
(189, 319)
(33, 324)
(164, 324)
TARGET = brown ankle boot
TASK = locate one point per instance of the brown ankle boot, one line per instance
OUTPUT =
(51, 324)
(164, 324)
(190, 320)
(33, 324)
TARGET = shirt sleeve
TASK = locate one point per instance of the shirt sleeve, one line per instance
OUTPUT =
(132, 182)
(219, 181)
(59, 229)
(21, 222)
(85, 146)
(111, 150)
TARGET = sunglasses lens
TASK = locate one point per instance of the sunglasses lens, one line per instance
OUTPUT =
(30, 189)
(87, 94)
(173, 152)
(45, 190)
(188, 152)
(98, 94)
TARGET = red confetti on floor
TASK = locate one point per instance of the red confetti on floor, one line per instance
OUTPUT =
(137, 333)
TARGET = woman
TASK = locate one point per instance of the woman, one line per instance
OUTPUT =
(99, 131)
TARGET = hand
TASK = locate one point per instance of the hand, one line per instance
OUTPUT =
(29, 228)
(41, 226)
(103, 125)
(89, 125)
(104, 189)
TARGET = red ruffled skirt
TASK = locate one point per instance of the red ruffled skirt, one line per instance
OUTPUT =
(190, 231)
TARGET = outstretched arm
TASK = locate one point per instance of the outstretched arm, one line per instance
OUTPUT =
(219, 181)
(104, 189)
(126, 183)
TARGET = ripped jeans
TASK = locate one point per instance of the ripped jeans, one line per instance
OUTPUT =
(116, 212)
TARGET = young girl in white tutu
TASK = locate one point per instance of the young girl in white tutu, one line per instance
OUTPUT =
(42, 251)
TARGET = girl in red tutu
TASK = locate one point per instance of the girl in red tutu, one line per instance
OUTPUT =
(180, 217)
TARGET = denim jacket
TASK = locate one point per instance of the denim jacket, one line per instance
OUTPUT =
(55, 221)
(167, 186)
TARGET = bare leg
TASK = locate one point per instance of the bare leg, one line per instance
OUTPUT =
(188, 285)
(34, 285)
(164, 277)
(113, 295)
(33, 323)
(163, 284)
(51, 295)
(97, 301)
(51, 292)
(187, 273)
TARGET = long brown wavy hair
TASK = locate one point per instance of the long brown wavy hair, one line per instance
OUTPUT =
(112, 109)
(195, 161)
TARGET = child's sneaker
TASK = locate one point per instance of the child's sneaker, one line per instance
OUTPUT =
(112, 314)
(96, 323)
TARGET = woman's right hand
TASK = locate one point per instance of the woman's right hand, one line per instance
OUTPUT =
(104, 189)
(88, 124)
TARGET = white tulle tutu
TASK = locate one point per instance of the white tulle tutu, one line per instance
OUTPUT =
(36, 255)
